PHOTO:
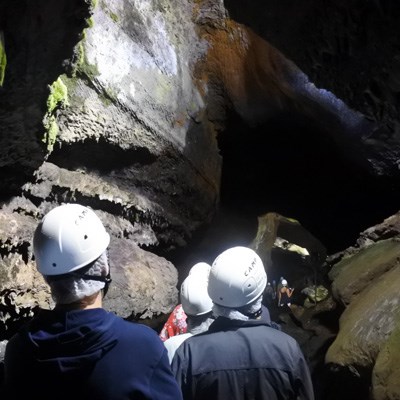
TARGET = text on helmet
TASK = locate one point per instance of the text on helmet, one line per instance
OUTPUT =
(81, 216)
(251, 267)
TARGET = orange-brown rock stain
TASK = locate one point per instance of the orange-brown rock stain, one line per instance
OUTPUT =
(248, 70)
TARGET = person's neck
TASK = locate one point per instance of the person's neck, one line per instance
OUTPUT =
(97, 303)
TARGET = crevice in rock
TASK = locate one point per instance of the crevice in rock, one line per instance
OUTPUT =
(99, 155)
(167, 234)
(343, 382)
(13, 317)
(22, 248)
(12, 177)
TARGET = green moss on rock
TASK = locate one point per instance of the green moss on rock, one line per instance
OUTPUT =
(114, 17)
(83, 67)
(58, 95)
(90, 22)
(90, 70)
(3, 59)
(51, 132)
(58, 98)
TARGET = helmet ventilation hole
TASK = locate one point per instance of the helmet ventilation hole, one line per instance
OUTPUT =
(221, 298)
(54, 265)
(85, 237)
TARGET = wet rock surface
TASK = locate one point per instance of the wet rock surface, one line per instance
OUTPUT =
(365, 281)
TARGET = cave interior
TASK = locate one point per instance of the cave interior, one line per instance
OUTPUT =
(288, 165)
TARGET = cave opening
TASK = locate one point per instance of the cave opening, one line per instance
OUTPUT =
(291, 166)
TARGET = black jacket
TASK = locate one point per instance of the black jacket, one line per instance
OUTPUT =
(87, 354)
(242, 360)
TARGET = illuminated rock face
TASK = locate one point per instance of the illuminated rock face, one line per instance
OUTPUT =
(145, 90)
(118, 103)
(99, 106)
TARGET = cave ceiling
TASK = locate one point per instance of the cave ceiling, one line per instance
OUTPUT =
(328, 156)
(336, 176)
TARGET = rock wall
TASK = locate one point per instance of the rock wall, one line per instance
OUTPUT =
(100, 106)
(365, 279)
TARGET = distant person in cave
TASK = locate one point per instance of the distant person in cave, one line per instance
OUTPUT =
(78, 350)
(278, 287)
(196, 304)
(284, 295)
(241, 356)
(269, 295)
(176, 323)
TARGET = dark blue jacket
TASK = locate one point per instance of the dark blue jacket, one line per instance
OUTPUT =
(240, 360)
(87, 354)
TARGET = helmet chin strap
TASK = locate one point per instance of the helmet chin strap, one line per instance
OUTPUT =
(254, 315)
(107, 283)
(106, 279)
(82, 275)
(253, 310)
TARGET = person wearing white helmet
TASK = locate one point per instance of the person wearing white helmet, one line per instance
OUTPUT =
(284, 294)
(176, 322)
(196, 304)
(78, 350)
(241, 356)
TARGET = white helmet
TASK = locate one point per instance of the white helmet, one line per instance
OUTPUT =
(200, 268)
(194, 296)
(284, 282)
(69, 237)
(237, 277)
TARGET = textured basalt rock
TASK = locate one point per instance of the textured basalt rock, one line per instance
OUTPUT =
(99, 106)
(372, 312)
(119, 105)
(354, 273)
(365, 279)
(144, 285)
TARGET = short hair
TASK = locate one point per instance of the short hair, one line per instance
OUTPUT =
(72, 288)
(239, 313)
(199, 323)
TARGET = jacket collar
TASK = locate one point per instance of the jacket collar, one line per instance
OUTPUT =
(223, 324)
